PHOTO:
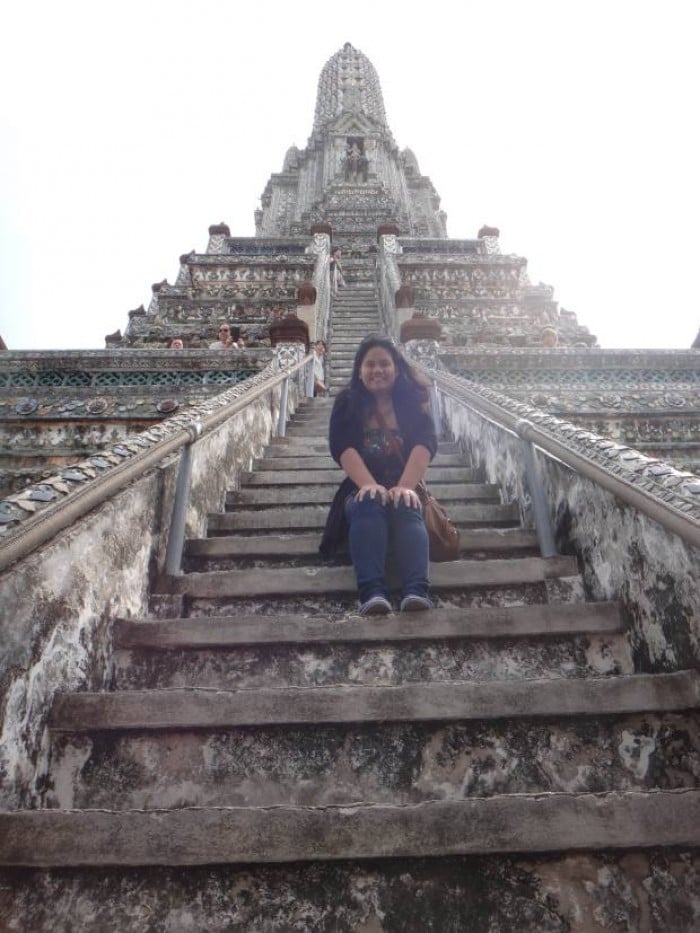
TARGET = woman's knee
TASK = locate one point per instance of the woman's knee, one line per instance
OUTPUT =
(365, 508)
(406, 515)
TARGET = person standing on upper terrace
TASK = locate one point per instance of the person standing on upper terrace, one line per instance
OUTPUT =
(383, 436)
(320, 387)
(226, 341)
(336, 270)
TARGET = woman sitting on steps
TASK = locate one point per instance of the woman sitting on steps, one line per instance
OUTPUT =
(382, 435)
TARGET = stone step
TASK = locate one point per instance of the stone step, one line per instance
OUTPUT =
(480, 515)
(372, 664)
(294, 546)
(203, 836)
(510, 622)
(280, 581)
(377, 763)
(312, 445)
(418, 702)
(277, 459)
(279, 496)
(304, 441)
(355, 314)
(342, 341)
(299, 475)
(412, 895)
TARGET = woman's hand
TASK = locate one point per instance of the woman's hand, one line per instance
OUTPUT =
(404, 494)
(372, 490)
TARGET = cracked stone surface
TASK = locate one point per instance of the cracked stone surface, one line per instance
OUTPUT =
(384, 762)
(654, 891)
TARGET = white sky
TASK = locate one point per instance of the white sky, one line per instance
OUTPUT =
(127, 128)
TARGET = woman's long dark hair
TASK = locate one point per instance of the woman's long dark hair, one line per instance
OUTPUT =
(410, 388)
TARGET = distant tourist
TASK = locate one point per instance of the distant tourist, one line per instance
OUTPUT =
(336, 270)
(225, 340)
(320, 387)
(177, 344)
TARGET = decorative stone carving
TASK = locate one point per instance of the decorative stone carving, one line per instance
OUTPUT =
(288, 354)
(424, 352)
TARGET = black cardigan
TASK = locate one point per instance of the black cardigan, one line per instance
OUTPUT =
(347, 430)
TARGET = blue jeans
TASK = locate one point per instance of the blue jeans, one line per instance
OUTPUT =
(376, 529)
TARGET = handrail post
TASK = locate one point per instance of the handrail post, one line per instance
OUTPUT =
(540, 509)
(435, 406)
(282, 422)
(176, 533)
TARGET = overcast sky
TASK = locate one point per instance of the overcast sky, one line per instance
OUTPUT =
(126, 129)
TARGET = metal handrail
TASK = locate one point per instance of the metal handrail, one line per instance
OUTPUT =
(685, 526)
(40, 528)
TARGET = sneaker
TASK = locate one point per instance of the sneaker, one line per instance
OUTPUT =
(414, 603)
(375, 606)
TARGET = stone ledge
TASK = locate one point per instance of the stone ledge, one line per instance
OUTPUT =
(298, 545)
(488, 622)
(197, 708)
(222, 835)
(278, 581)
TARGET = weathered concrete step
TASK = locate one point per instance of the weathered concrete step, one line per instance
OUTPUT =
(477, 540)
(454, 893)
(278, 460)
(386, 664)
(355, 328)
(298, 474)
(207, 709)
(300, 445)
(200, 836)
(320, 418)
(381, 763)
(316, 493)
(462, 574)
(306, 516)
(440, 624)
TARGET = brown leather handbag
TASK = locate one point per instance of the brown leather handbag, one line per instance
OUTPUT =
(443, 537)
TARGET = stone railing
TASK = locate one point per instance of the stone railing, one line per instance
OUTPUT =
(321, 246)
(633, 521)
(389, 283)
(85, 548)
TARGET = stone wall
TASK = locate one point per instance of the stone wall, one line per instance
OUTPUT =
(649, 399)
(623, 554)
(58, 604)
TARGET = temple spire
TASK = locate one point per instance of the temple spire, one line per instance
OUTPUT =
(348, 82)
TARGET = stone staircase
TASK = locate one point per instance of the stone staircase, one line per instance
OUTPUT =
(355, 314)
(267, 760)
